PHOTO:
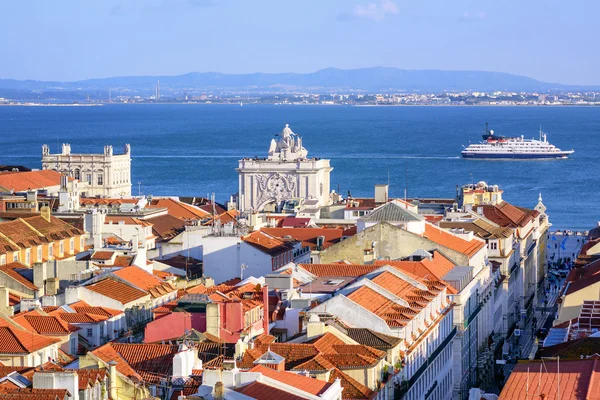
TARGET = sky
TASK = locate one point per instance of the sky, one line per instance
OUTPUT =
(67, 40)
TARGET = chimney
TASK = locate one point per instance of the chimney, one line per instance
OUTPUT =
(369, 256)
(94, 221)
(219, 391)
(183, 362)
(5, 306)
(39, 276)
(315, 326)
(265, 293)
(45, 213)
(112, 369)
(52, 286)
(32, 195)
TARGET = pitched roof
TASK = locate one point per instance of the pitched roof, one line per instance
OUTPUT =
(89, 377)
(573, 349)
(119, 291)
(447, 239)
(145, 281)
(507, 215)
(392, 212)
(351, 270)
(579, 379)
(18, 272)
(258, 390)
(18, 341)
(373, 339)
(22, 181)
(352, 389)
(151, 362)
(580, 278)
(479, 227)
(179, 209)
(436, 267)
(167, 226)
(126, 220)
(304, 383)
(267, 243)
(308, 236)
(42, 324)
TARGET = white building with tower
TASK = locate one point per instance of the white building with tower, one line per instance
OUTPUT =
(286, 175)
(106, 175)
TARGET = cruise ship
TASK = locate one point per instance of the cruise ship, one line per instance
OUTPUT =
(494, 146)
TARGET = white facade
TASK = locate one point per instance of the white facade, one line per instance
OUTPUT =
(286, 174)
(107, 174)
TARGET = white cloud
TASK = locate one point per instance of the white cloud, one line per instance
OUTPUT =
(375, 11)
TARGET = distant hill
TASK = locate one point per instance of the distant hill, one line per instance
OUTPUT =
(376, 79)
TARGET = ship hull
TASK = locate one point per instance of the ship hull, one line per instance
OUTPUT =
(516, 156)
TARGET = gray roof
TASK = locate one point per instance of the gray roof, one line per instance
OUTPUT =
(391, 212)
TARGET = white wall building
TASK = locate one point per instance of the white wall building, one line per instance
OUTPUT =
(286, 174)
(107, 174)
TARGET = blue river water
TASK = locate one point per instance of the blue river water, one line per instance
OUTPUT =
(187, 149)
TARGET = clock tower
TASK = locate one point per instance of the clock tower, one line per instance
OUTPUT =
(285, 174)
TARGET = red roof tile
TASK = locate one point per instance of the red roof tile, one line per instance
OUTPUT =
(178, 209)
(309, 385)
(579, 379)
(117, 290)
(453, 242)
(12, 270)
(267, 243)
(22, 181)
(308, 236)
(17, 341)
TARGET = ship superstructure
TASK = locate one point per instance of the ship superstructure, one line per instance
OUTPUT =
(495, 146)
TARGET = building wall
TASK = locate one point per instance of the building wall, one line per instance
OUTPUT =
(390, 241)
(265, 181)
(106, 174)
(571, 304)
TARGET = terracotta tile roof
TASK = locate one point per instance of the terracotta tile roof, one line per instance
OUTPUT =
(352, 389)
(258, 390)
(166, 227)
(435, 268)
(318, 363)
(579, 379)
(123, 261)
(22, 181)
(18, 233)
(324, 343)
(267, 243)
(351, 361)
(7, 245)
(351, 270)
(145, 281)
(55, 229)
(17, 341)
(151, 362)
(373, 339)
(308, 236)
(580, 278)
(479, 227)
(294, 354)
(507, 215)
(16, 271)
(126, 220)
(88, 201)
(453, 242)
(102, 255)
(81, 318)
(178, 209)
(90, 377)
(43, 324)
(116, 290)
(35, 394)
(309, 385)
(224, 218)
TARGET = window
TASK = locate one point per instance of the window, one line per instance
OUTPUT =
(73, 346)
(16, 256)
(72, 245)
(2, 259)
(50, 249)
(100, 179)
(88, 178)
(89, 332)
(27, 255)
(61, 247)
(81, 243)
(77, 174)
(39, 253)
(493, 246)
